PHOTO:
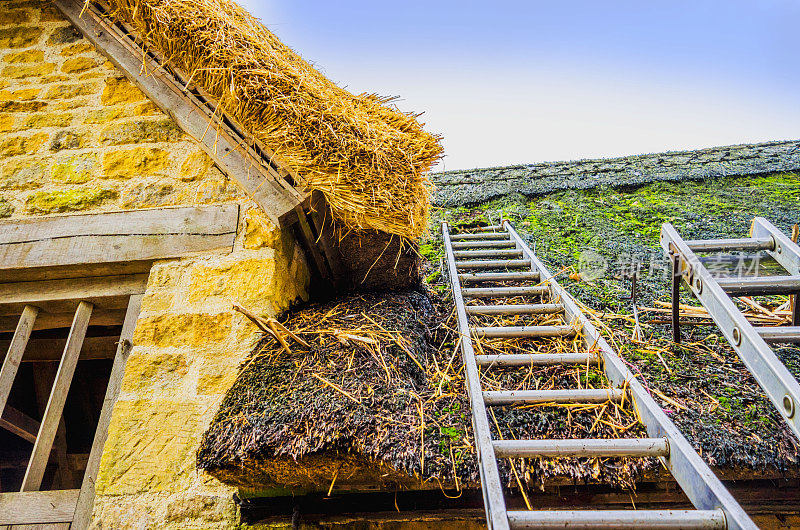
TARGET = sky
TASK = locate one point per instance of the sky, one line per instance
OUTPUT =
(514, 82)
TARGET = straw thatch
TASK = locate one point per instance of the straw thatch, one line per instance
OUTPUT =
(368, 158)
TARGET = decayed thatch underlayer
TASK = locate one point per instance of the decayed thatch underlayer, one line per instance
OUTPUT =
(368, 158)
(377, 400)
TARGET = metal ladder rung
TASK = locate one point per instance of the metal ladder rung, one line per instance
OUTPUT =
(487, 292)
(498, 243)
(761, 286)
(481, 235)
(527, 359)
(498, 276)
(516, 332)
(522, 397)
(597, 519)
(602, 447)
(518, 309)
(494, 264)
(490, 253)
(720, 245)
(788, 334)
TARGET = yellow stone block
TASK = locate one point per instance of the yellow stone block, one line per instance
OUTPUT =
(40, 121)
(259, 231)
(151, 447)
(140, 161)
(45, 202)
(77, 65)
(22, 145)
(71, 90)
(6, 122)
(146, 370)
(78, 47)
(28, 56)
(106, 114)
(217, 376)
(244, 280)
(148, 108)
(14, 17)
(177, 330)
(195, 166)
(75, 169)
(120, 90)
(25, 94)
(21, 71)
(19, 37)
(22, 173)
(139, 131)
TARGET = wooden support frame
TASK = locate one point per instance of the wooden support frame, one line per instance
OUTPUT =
(239, 156)
(58, 397)
(15, 351)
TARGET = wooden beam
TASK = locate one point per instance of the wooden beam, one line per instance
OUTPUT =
(61, 296)
(58, 397)
(83, 511)
(134, 235)
(39, 507)
(19, 423)
(111, 317)
(50, 350)
(43, 377)
(16, 350)
(233, 153)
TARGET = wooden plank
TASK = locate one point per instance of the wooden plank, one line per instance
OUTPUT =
(58, 396)
(83, 511)
(60, 296)
(111, 317)
(43, 377)
(84, 270)
(117, 236)
(19, 423)
(229, 151)
(50, 350)
(38, 507)
(16, 350)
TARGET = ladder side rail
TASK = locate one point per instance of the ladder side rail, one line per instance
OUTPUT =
(785, 251)
(698, 482)
(775, 379)
(491, 486)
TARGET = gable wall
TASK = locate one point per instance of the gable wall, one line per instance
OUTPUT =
(76, 136)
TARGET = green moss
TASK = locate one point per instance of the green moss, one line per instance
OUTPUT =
(45, 202)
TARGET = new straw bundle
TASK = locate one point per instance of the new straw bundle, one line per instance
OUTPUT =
(367, 158)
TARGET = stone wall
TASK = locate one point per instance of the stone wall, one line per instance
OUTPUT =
(75, 135)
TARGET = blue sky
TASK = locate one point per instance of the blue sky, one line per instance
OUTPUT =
(511, 82)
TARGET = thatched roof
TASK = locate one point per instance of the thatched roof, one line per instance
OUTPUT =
(368, 158)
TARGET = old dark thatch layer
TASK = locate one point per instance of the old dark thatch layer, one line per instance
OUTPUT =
(377, 399)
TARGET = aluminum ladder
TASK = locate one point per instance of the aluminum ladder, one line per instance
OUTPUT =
(498, 254)
(751, 343)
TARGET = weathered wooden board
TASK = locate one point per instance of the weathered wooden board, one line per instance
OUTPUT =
(38, 507)
(62, 296)
(19, 423)
(109, 317)
(229, 150)
(50, 350)
(136, 235)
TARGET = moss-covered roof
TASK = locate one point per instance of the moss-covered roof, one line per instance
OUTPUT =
(474, 186)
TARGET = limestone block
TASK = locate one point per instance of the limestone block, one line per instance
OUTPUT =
(150, 195)
(120, 90)
(45, 202)
(179, 330)
(28, 56)
(6, 208)
(6, 122)
(20, 71)
(67, 91)
(195, 166)
(78, 47)
(14, 17)
(127, 163)
(43, 120)
(19, 36)
(22, 145)
(21, 106)
(64, 35)
(23, 174)
(235, 279)
(69, 139)
(75, 169)
(259, 230)
(138, 131)
(217, 376)
(150, 447)
(77, 65)
(148, 369)
(24, 94)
